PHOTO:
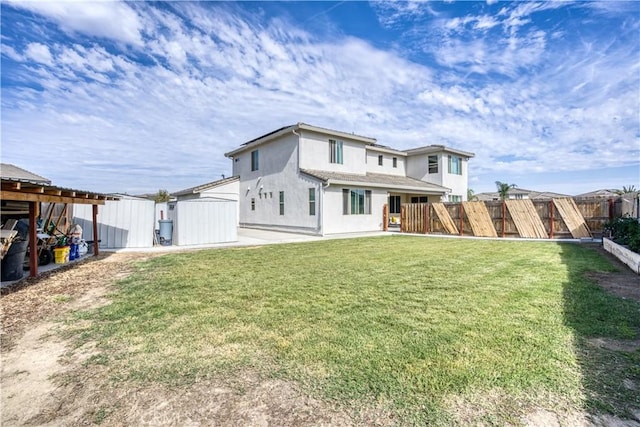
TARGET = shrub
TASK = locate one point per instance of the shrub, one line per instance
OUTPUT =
(624, 231)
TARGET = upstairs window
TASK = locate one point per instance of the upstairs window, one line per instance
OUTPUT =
(455, 165)
(455, 198)
(356, 202)
(433, 164)
(395, 162)
(335, 151)
(254, 160)
(380, 160)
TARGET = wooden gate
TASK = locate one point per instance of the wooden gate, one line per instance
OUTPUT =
(414, 218)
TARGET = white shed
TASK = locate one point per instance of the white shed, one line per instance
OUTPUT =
(204, 221)
(128, 223)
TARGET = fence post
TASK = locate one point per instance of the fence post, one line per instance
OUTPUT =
(504, 217)
(426, 218)
(403, 218)
(611, 213)
(385, 217)
(551, 219)
(461, 219)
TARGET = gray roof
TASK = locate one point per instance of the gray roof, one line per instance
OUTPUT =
(207, 186)
(12, 172)
(436, 148)
(531, 194)
(377, 180)
(604, 193)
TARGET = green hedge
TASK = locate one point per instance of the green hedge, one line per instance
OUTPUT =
(625, 231)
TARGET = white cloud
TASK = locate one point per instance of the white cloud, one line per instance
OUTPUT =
(216, 78)
(38, 53)
(114, 20)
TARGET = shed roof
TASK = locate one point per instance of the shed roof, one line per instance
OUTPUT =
(377, 180)
(205, 187)
(10, 171)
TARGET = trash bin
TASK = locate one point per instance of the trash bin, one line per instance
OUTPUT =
(13, 261)
(166, 231)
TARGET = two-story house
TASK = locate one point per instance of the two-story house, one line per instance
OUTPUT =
(309, 179)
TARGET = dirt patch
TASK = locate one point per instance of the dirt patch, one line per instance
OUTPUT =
(624, 283)
(44, 383)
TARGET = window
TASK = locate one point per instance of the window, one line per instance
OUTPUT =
(395, 162)
(335, 151)
(455, 165)
(253, 204)
(419, 199)
(455, 198)
(433, 164)
(254, 160)
(312, 201)
(394, 204)
(356, 202)
(380, 160)
(282, 203)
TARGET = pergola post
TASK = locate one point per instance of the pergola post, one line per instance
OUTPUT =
(96, 251)
(33, 241)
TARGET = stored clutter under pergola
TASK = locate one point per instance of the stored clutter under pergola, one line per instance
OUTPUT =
(34, 193)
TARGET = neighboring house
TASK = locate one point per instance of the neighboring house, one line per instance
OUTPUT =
(12, 172)
(599, 194)
(519, 194)
(309, 179)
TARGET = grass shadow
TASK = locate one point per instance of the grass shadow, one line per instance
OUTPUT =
(606, 334)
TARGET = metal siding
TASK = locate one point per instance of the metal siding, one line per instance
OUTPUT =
(202, 221)
(126, 223)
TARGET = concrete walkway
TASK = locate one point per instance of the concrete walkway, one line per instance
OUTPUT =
(253, 237)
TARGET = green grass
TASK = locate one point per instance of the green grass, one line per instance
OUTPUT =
(427, 329)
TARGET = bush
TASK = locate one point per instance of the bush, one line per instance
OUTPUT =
(624, 231)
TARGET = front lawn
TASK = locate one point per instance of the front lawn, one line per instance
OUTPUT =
(427, 330)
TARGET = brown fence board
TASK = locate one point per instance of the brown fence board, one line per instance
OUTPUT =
(479, 219)
(413, 217)
(526, 219)
(445, 219)
(572, 218)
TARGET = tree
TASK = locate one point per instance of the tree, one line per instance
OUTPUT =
(471, 195)
(625, 190)
(162, 196)
(503, 189)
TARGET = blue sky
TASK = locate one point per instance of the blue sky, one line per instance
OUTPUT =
(133, 97)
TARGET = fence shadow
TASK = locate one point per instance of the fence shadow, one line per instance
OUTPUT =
(606, 331)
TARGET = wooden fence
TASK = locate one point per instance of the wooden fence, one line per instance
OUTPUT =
(558, 218)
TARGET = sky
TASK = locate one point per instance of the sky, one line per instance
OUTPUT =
(132, 97)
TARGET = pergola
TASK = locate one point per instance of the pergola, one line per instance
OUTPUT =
(35, 192)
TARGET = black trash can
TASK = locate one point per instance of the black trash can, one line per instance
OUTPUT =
(13, 261)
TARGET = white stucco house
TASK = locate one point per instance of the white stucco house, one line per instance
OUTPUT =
(308, 179)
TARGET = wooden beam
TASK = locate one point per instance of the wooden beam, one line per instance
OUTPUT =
(95, 230)
(10, 186)
(49, 198)
(33, 241)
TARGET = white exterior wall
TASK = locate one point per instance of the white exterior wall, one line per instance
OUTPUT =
(314, 153)
(387, 163)
(457, 183)
(277, 171)
(336, 222)
(127, 223)
(204, 221)
(418, 168)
